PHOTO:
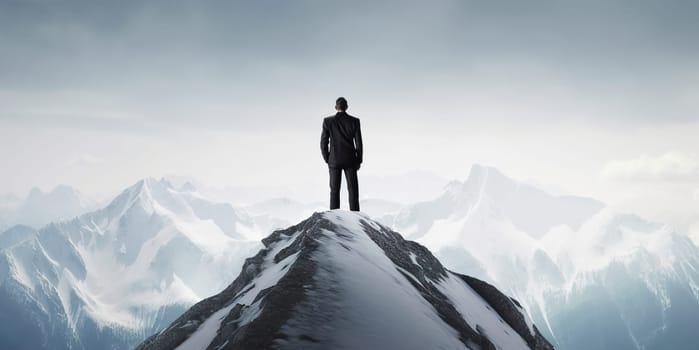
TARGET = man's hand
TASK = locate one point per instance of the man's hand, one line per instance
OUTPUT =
(324, 140)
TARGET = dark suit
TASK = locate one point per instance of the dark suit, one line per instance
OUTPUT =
(341, 147)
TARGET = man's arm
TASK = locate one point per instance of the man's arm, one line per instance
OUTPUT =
(358, 144)
(324, 142)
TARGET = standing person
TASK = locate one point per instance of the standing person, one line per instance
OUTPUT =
(341, 147)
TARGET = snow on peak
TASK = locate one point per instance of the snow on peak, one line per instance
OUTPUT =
(341, 280)
(152, 196)
(16, 235)
(489, 196)
(130, 265)
(541, 247)
(491, 219)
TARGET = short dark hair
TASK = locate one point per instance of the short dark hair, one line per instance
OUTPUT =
(341, 103)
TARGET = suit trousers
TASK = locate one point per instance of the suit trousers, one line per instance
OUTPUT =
(352, 187)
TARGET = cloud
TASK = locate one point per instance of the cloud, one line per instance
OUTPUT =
(247, 65)
(671, 167)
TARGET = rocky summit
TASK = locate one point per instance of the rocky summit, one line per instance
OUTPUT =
(340, 280)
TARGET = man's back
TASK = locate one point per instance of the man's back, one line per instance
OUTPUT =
(341, 146)
(341, 141)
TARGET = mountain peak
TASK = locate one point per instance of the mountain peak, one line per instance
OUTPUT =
(480, 175)
(321, 283)
(488, 192)
(61, 203)
(478, 169)
(58, 191)
(146, 195)
(153, 183)
(144, 189)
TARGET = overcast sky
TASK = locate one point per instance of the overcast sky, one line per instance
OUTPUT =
(597, 98)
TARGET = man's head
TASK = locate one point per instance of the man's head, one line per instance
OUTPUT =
(341, 104)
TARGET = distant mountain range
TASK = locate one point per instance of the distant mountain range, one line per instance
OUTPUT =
(109, 278)
(403, 188)
(590, 276)
(41, 208)
(587, 275)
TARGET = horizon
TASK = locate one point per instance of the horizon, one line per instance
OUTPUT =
(246, 197)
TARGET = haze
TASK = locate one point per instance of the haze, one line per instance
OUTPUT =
(594, 98)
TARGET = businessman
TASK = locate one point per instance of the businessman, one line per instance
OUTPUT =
(341, 147)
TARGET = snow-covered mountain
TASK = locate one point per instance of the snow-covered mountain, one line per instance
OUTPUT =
(108, 278)
(340, 280)
(41, 208)
(591, 276)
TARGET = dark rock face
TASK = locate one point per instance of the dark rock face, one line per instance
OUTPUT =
(293, 312)
(510, 310)
(278, 301)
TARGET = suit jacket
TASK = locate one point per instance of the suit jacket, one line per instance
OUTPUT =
(341, 141)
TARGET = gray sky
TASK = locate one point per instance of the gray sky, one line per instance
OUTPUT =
(597, 98)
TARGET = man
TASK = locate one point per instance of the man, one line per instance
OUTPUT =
(341, 147)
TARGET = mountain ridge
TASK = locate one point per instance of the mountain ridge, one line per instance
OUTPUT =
(318, 296)
(572, 263)
(40, 208)
(116, 274)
